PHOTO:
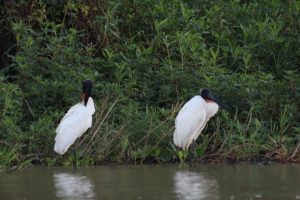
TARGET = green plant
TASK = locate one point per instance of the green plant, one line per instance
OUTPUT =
(146, 59)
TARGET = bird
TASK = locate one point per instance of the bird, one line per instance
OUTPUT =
(193, 117)
(77, 120)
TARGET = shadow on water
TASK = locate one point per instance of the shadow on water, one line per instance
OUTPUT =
(71, 186)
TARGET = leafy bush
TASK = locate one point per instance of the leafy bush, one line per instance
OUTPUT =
(146, 58)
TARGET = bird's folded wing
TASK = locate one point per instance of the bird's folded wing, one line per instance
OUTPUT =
(71, 110)
(189, 122)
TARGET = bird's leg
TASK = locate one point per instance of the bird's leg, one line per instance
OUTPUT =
(75, 156)
(194, 149)
(194, 155)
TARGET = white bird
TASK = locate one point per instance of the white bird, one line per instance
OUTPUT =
(193, 117)
(77, 120)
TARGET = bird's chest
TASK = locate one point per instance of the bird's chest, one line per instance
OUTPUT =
(211, 109)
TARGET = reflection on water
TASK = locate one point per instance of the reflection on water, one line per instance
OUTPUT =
(72, 186)
(192, 185)
(153, 182)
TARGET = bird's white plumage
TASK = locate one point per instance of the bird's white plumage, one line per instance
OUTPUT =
(191, 120)
(77, 120)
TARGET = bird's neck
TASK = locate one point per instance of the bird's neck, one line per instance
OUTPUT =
(209, 101)
(90, 106)
(82, 96)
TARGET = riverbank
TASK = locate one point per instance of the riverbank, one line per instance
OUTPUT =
(146, 58)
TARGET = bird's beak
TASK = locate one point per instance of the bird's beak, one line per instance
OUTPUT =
(86, 96)
(212, 97)
(86, 91)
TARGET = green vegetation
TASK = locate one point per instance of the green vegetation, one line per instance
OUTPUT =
(146, 59)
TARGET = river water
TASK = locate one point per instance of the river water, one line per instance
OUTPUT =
(161, 182)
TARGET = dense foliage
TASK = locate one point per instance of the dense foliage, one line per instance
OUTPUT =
(146, 58)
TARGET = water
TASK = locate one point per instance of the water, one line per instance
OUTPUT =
(154, 182)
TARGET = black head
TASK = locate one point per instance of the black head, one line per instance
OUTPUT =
(87, 90)
(207, 95)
